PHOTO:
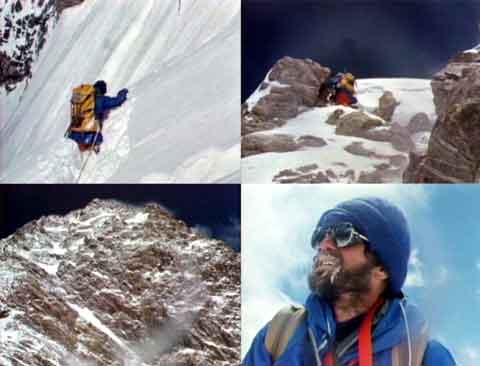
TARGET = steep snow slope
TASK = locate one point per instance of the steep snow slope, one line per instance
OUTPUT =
(183, 72)
(414, 95)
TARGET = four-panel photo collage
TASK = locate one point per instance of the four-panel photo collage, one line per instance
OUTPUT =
(239, 183)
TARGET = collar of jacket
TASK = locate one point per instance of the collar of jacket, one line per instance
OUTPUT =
(389, 331)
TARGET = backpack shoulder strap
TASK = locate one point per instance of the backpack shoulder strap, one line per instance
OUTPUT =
(282, 328)
(401, 353)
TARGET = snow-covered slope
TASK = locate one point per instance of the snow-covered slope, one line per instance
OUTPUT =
(414, 96)
(335, 159)
(181, 122)
(475, 49)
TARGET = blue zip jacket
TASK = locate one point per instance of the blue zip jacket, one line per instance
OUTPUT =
(388, 332)
(103, 104)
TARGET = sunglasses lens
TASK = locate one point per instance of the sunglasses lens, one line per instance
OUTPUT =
(343, 234)
(343, 237)
(319, 235)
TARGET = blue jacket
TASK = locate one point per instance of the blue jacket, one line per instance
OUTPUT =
(104, 103)
(388, 332)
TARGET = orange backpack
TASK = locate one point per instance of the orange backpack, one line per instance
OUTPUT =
(83, 109)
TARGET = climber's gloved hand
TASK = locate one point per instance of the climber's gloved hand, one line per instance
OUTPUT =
(123, 93)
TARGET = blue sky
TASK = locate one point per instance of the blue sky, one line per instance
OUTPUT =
(444, 269)
(407, 38)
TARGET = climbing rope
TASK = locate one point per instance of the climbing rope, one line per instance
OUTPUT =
(88, 157)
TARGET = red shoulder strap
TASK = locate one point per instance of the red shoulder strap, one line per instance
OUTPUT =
(329, 359)
(365, 336)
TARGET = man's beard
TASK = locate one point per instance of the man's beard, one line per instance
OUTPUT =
(330, 280)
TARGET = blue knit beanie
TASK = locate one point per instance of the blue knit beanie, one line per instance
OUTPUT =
(385, 227)
(101, 86)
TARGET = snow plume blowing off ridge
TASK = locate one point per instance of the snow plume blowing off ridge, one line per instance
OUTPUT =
(182, 68)
(160, 340)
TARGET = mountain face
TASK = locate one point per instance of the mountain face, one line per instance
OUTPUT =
(290, 134)
(180, 61)
(25, 25)
(114, 284)
(454, 148)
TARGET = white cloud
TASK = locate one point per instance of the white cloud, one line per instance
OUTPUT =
(277, 222)
(202, 231)
(415, 276)
(469, 355)
(478, 264)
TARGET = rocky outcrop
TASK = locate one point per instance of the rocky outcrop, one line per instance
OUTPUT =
(116, 285)
(453, 154)
(334, 117)
(259, 143)
(305, 174)
(386, 106)
(252, 123)
(311, 141)
(360, 124)
(383, 172)
(24, 34)
(22, 37)
(401, 138)
(291, 86)
(389, 169)
(419, 123)
(356, 124)
(262, 143)
(10, 73)
(414, 162)
(64, 4)
(396, 134)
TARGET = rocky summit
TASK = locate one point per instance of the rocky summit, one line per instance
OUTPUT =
(453, 154)
(121, 285)
(292, 132)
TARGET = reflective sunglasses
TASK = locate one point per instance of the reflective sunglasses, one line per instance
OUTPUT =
(344, 235)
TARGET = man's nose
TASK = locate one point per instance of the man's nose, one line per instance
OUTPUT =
(327, 244)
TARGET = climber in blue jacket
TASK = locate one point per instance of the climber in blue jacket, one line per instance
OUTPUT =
(88, 139)
(356, 314)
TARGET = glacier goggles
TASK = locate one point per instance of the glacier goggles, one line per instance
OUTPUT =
(343, 234)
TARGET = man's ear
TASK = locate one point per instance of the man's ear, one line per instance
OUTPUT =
(380, 273)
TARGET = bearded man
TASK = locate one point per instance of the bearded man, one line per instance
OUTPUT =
(356, 314)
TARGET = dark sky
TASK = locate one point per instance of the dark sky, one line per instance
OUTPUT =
(215, 206)
(371, 38)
